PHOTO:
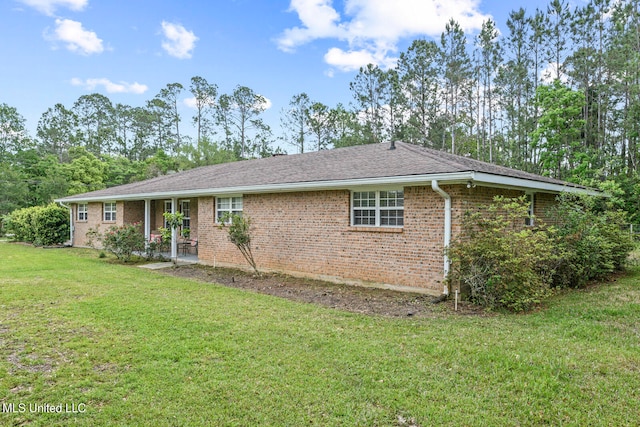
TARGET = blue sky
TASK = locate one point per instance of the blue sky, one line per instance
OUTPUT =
(54, 51)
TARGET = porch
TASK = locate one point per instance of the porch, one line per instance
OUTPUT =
(183, 241)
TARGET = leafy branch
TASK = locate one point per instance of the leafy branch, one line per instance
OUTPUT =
(239, 232)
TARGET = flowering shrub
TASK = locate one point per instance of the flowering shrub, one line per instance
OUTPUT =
(123, 241)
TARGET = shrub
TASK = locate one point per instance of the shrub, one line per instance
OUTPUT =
(591, 242)
(503, 264)
(499, 262)
(19, 224)
(50, 225)
(123, 241)
(40, 225)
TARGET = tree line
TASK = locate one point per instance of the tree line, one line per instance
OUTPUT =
(557, 92)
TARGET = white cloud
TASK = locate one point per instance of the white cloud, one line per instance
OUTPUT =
(109, 86)
(267, 104)
(354, 59)
(319, 19)
(191, 103)
(369, 30)
(76, 38)
(48, 7)
(179, 42)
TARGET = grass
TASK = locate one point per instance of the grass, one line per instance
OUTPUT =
(132, 347)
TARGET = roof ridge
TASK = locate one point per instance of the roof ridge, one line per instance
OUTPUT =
(434, 154)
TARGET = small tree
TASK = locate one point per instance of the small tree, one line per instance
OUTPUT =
(239, 231)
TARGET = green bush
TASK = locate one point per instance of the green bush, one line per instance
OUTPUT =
(40, 225)
(502, 264)
(123, 241)
(19, 224)
(498, 262)
(50, 225)
(591, 243)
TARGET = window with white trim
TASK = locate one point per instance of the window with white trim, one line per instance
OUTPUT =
(377, 208)
(231, 205)
(167, 209)
(185, 209)
(529, 220)
(83, 212)
(109, 210)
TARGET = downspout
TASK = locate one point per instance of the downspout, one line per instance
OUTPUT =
(147, 222)
(447, 228)
(174, 233)
(70, 221)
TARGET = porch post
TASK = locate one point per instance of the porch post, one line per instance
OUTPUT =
(174, 231)
(147, 221)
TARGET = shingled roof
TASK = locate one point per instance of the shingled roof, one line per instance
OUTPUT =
(337, 168)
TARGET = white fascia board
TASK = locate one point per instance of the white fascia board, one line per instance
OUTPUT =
(279, 188)
(405, 180)
(526, 184)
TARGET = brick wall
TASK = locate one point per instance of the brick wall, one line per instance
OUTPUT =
(94, 220)
(471, 199)
(133, 212)
(310, 232)
(543, 203)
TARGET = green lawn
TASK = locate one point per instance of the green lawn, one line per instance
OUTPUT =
(126, 346)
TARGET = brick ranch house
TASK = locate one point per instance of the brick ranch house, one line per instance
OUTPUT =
(377, 215)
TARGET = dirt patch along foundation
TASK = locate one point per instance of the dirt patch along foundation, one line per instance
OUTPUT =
(350, 298)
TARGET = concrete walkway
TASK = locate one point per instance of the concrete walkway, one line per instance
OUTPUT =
(167, 264)
(182, 260)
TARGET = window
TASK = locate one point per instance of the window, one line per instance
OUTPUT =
(185, 208)
(231, 205)
(530, 218)
(83, 213)
(167, 209)
(378, 208)
(109, 210)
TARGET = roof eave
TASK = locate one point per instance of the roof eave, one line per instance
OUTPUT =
(445, 178)
(527, 184)
(276, 188)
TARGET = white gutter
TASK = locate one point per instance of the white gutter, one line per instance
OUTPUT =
(404, 180)
(447, 228)
(70, 221)
(274, 188)
(499, 181)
